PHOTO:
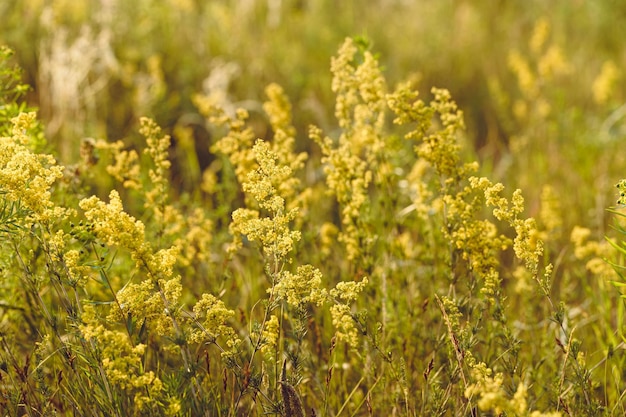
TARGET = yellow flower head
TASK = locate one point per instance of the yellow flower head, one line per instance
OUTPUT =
(271, 332)
(211, 316)
(603, 86)
(27, 177)
(114, 226)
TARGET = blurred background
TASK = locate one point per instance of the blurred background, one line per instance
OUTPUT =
(541, 82)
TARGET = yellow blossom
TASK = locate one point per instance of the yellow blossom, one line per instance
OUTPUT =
(328, 234)
(270, 336)
(341, 312)
(490, 395)
(209, 181)
(263, 183)
(592, 251)
(522, 280)
(266, 182)
(195, 245)
(125, 168)
(146, 301)
(122, 361)
(360, 110)
(26, 177)
(603, 86)
(237, 143)
(77, 273)
(114, 226)
(525, 78)
(211, 316)
(550, 214)
(348, 291)
(278, 108)
(541, 31)
(302, 287)
(552, 63)
(527, 245)
(157, 149)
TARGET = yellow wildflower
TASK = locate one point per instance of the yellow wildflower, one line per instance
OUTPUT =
(114, 226)
(125, 167)
(157, 149)
(27, 177)
(552, 63)
(541, 31)
(146, 301)
(341, 312)
(360, 110)
(211, 316)
(278, 108)
(122, 362)
(592, 251)
(271, 332)
(237, 144)
(302, 287)
(328, 234)
(550, 213)
(272, 232)
(604, 84)
(490, 394)
(526, 80)
(77, 273)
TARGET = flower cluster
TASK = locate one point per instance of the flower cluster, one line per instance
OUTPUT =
(348, 178)
(269, 185)
(123, 365)
(550, 214)
(476, 241)
(278, 109)
(441, 149)
(603, 86)
(360, 110)
(328, 235)
(263, 183)
(360, 103)
(115, 227)
(274, 232)
(154, 303)
(527, 245)
(195, 243)
(303, 287)
(125, 166)
(157, 150)
(27, 177)
(237, 143)
(211, 317)
(437, 147)
(593, 252)
(548, 64)
(12, 89)
(270, 336)
(343, 317)
(156, 298)
(77, 272)
(492, 396)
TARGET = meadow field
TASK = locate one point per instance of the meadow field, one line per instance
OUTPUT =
(312, 208)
